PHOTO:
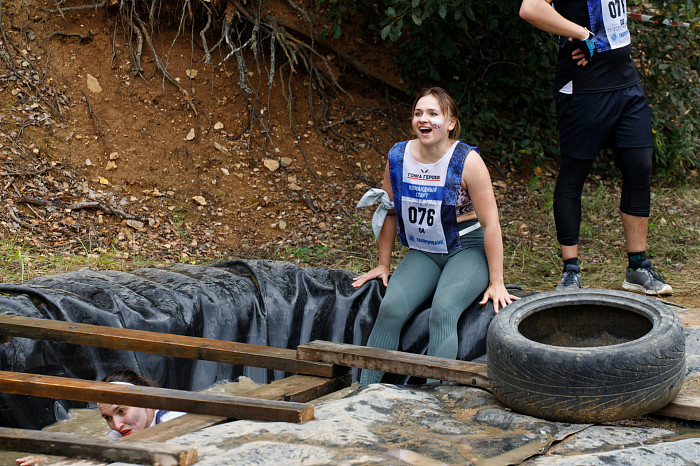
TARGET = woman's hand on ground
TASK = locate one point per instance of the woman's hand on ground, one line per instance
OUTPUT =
(499, 295)
(380, 271)
(30, 460)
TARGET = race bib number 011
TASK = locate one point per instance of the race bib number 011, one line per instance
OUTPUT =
(615, 20)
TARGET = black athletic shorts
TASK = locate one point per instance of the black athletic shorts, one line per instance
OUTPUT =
(591, 122)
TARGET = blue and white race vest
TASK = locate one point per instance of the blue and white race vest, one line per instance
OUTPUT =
(425, 196)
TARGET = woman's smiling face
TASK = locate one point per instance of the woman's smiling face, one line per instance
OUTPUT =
(126, 419)
(430, 123)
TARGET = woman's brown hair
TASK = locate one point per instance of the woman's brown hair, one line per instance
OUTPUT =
(128, 376)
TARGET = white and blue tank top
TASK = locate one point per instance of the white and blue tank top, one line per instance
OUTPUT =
(427, 197)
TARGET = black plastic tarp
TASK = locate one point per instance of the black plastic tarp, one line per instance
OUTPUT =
(261, 302)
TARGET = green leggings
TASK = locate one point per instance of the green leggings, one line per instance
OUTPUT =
(453, 280)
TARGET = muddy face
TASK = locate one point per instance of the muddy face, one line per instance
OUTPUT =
(126, 419)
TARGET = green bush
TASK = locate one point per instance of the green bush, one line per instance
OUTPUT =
(500, 69)
(668, 59)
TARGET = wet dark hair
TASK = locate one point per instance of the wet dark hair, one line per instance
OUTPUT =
(447, 105)
(128, 376)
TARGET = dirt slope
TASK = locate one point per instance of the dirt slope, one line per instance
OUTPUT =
(213, 173)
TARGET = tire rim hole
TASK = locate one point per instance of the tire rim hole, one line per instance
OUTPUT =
(585, 325)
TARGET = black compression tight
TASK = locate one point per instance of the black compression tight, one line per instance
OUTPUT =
(635, 165)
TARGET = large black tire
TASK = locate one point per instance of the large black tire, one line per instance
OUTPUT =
(590, 356)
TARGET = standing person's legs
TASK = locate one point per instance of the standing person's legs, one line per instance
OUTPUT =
(411, 284)
(464, 279)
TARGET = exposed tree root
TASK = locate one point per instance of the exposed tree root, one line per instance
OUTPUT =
(96, 118)
(84, 205)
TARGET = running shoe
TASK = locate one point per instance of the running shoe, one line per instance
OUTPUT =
(570, 279)
(646, 280)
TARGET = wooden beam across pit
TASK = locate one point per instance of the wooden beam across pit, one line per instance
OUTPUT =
(180, 346)
(396, 362)
(102, 449)
(235, 407)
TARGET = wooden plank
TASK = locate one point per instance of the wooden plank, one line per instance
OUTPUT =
(153, 397)
(103, 449)
(682, 407)
(297, 388)
(300, 388)
(173, 428)
(396, 362)
(180, 346)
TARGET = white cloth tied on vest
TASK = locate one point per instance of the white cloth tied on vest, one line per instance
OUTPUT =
(372, 196)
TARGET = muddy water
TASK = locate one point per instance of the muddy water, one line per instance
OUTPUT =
(89, 422)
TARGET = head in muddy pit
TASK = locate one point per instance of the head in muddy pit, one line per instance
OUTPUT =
(124, 420)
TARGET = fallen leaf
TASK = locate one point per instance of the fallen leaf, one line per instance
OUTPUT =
(136, 225)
